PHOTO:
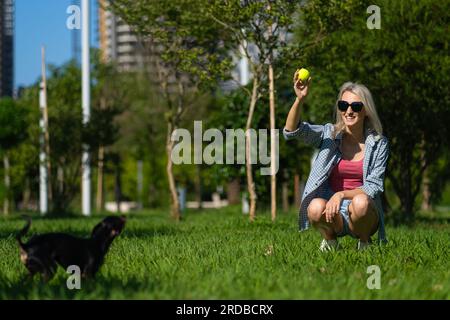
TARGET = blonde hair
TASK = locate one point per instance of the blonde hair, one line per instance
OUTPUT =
(372, 121)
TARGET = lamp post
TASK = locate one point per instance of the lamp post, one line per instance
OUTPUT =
(86, 96)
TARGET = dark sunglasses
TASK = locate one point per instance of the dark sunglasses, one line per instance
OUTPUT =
(356, 106)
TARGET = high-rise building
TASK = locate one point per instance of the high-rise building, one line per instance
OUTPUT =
(118, 43)
(6, 47)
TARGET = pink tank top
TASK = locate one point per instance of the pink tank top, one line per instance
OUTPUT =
(346, 175)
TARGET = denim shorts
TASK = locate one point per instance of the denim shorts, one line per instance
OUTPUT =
(343, 210)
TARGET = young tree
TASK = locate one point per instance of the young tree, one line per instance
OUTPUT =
(263, 30)
(187, 57)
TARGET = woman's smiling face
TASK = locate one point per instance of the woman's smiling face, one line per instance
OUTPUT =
(349, 117)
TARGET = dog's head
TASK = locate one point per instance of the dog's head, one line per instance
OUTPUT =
(109, 228)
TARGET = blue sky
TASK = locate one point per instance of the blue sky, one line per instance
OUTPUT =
(43, 22)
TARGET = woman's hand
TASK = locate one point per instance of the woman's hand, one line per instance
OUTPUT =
(300, 87)
(332, 207)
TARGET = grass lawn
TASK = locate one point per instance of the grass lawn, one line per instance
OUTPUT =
(220, 255)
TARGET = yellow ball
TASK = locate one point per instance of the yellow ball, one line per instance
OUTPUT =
(303, 74)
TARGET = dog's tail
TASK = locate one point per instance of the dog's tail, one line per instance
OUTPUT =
(24, 231)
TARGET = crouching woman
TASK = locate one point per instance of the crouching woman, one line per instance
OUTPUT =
(342, 195)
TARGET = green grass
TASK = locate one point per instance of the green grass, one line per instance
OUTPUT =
(220, 255)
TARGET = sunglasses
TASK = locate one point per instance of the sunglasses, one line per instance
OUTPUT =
(356, 106)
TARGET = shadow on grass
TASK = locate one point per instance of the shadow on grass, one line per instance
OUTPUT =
(99, 288)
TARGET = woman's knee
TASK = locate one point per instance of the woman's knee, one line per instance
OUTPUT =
(316, 208)
(360, 205)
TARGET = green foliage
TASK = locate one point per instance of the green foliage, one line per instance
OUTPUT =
(66, 131)
(439, 172)
(248, 23)
(13, 131)
(231, 113)
(189, 56)
(187, 39)
(141, 136)
(12, 124)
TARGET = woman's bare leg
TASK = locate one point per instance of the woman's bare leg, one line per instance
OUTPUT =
(329, 231)
(363, 217)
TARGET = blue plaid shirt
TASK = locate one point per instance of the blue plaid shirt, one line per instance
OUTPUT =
(374, 166)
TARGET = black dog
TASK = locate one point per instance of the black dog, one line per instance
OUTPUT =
(43, 252)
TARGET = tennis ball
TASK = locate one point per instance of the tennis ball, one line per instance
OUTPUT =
(303, 74)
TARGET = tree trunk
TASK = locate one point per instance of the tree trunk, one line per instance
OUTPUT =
(140, 183)
(26, 195)
(175, 204)
(61, 190)
(273, 177)
(233, 191)
(49, 167)
(118, 186)
(285, 192)
(100, 197)
(426, 193)
(7, 185)
(407, 205)
(250, 184)
(248, 163)
(406, 198)
(426, 196)
(297, 191)
(60, 180)
(152, 195)
(198, 186)
(99, 201)
(385, 203)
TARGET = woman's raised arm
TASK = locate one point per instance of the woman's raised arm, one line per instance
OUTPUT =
(301, 91)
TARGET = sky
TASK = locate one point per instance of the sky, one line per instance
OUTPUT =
(43, 22)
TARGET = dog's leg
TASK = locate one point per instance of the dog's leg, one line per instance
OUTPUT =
(40, 263)
(49, 270)
(34, 265)
(88, 272)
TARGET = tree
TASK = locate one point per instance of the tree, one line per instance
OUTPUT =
(109, 94)
(142, 138)
(266, 28)
(191, 59)
(261, 27)
(439, 177)
(12, 132)
(67, 133)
